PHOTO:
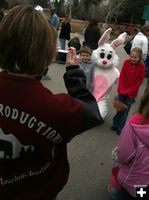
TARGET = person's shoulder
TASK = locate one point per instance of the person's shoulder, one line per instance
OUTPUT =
(88, 28)
(142, 36)
(140, 66)
(95, 28)
(127, 61)
(138, 35)
(126, 64)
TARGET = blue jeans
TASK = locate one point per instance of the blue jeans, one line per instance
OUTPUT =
(120, 118)
(62, 43)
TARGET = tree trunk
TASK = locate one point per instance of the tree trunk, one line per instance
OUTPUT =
(116, 16)
(132, 18)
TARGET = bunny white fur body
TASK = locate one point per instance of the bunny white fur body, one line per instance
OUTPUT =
(105, 63)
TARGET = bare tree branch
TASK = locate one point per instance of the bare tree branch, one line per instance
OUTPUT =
(114, 6)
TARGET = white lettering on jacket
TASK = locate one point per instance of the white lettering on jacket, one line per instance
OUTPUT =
(31, 122)
(24, 175)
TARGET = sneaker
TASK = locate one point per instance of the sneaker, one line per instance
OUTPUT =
(46, 77)
(118, 132)
(113, 128)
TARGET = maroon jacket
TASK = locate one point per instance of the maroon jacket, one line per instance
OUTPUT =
(35, 126)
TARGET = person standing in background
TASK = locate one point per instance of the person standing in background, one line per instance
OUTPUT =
(92, 34)
(54, 19)
(65, 31)
(141, 40)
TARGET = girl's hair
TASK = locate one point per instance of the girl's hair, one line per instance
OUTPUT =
(139, 52)
(27, 41)
(85, 49)
(93, 22)
(144, 104)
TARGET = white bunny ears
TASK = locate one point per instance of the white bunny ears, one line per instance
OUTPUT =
(115, 43)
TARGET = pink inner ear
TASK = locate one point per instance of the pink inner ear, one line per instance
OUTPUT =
(120, 40)
(105, 37)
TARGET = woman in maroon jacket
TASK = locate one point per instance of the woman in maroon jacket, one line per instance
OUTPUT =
(35, 124)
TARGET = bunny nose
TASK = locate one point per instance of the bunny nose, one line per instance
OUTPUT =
(104, 62)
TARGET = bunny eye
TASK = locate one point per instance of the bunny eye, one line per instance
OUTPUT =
(102, 55)
(109, 56)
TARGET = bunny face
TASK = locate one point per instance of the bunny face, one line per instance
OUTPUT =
(104, 57)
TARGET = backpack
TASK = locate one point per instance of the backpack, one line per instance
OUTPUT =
(128, 45)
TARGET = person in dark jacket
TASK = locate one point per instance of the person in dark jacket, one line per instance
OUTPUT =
(65, 31)
(35, 124)
(92, 34)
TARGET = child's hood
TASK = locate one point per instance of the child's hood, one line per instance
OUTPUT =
(142, 132)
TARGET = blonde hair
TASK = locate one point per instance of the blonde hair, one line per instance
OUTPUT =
(27, 41)
(139, 52)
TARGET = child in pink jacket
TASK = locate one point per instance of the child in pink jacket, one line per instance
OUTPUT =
(133, 151)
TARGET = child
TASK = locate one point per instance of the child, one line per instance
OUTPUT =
(131, 78)
(75, 42)
(133, 152)
(87, 66)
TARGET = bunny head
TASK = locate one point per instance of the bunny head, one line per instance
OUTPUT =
(105, 56)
